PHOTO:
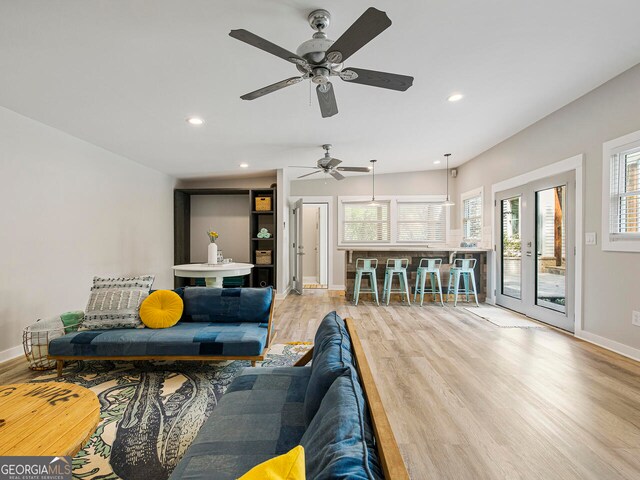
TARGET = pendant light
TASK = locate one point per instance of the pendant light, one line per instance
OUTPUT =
(448, 202)
(373, 202)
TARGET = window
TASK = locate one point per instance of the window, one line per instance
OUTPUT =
(625, 193)
(621, 194)
(393, 220)
(420, 222)
(472, 215)
(365, 223)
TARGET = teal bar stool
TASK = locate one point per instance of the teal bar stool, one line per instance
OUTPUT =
(428, 267)
(462, 267)
(396, 266)
(366, 266)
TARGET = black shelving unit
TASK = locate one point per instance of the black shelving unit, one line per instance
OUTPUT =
(263, 275)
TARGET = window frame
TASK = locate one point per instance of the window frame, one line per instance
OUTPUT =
(393, 218)
(476, 192)
(611, 151)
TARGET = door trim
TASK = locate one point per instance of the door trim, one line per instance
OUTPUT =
(575, 163)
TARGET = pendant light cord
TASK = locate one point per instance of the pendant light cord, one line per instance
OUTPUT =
(447, 155)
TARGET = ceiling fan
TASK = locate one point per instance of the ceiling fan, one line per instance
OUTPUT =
(328, 164)
(319, 59)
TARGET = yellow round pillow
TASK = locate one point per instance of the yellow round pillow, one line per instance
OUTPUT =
(161, 309)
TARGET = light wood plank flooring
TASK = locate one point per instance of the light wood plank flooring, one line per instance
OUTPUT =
(469, 400)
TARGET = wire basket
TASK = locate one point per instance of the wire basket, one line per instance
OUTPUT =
(35, 340)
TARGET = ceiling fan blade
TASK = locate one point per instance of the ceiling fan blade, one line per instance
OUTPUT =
(392, 81)
(259, 42)
(300, 166)
(307, 174)
(327, 100)
(336, 175)
(354, 169)
(334, 162)
(370, 24)
(271, 88)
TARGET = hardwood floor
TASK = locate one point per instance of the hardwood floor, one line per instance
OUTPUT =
(469, 400)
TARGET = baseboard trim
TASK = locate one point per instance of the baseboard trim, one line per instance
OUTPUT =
(337, 287)
(283, 295)
(11, 353)
(617, 347)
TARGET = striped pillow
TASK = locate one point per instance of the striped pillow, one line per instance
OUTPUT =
(115, 302)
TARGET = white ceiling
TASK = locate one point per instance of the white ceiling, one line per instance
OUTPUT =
(125, 74)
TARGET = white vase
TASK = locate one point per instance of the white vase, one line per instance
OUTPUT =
(212, 254)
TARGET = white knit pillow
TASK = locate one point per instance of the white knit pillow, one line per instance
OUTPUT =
(115, 302)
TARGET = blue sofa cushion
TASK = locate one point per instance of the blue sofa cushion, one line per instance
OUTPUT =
(338, 444)
(227, 305)
(331, 358)
(331, 327)
(259, 417)
(192, 339)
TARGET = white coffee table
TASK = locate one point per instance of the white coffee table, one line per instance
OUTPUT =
(212, 274)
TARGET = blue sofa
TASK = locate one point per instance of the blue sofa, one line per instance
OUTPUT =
(331, 408)
(216, 324)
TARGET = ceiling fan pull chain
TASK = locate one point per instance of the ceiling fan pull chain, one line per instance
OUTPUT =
(310, 92)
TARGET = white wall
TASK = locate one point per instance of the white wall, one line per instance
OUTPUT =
(611, 279)
(71, 210)
(431, 182)
(226, 214)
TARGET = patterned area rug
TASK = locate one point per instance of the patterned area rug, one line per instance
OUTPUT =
(152, 411)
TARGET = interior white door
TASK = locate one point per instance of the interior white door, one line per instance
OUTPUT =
(535, 250)
(298, 248)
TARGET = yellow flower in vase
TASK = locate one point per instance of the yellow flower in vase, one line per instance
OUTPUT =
(212, 236)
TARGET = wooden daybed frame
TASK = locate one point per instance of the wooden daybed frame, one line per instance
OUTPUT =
(391, 461)
(60, 359)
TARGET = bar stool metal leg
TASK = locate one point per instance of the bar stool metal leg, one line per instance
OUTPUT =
(440, 288)
(475, 292)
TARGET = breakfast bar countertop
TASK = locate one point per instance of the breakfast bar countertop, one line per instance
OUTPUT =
(411, 248)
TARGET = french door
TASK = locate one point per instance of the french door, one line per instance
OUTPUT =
(535, 250)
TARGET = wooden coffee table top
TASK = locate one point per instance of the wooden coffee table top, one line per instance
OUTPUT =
(46, 418)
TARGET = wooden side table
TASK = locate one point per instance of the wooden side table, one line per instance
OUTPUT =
(53, 419)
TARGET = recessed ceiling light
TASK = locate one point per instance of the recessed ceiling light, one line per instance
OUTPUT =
(454, 97)
(244, 165)
(437, 162)
(195, 121)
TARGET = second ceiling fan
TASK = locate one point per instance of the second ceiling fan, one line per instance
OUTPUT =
(319, 59)
(328, 164)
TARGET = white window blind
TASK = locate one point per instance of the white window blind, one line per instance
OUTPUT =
(366, 223)
(624, 216)
(472, 218)
(420, 222)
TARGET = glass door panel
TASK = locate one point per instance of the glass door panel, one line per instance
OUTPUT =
(511, 248)
(551, 249)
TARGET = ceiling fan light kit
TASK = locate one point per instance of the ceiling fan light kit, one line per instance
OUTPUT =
(320, 58)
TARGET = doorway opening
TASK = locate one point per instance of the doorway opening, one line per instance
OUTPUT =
(315, 238)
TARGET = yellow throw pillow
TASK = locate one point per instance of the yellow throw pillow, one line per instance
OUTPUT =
(161, 309)
(289, 466)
